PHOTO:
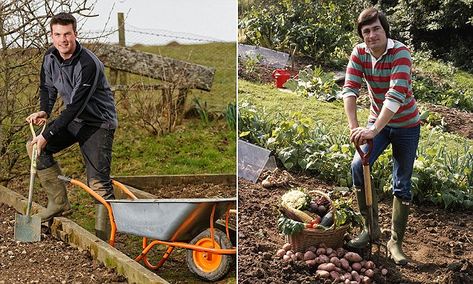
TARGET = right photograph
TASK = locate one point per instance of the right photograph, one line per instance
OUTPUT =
(355, 150)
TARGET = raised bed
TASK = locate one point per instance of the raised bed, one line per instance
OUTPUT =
(57, 259)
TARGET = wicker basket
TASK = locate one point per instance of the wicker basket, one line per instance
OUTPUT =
(332, 237)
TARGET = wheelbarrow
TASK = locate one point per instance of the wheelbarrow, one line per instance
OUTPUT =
(182, 223)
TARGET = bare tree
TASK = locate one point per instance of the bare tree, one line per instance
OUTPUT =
(24, 33)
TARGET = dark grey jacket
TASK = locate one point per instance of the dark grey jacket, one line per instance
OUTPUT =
(80, 81)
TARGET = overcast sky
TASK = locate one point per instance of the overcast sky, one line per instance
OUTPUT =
(211, 19)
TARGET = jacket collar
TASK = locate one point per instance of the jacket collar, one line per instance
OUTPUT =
(68, 61)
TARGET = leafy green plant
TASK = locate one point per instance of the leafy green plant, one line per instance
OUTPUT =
(345, 214)
(442, 175)
(253, 125)
(288, 226)
(318, 29)
(314, 83)
(202, 110)
(230, 115)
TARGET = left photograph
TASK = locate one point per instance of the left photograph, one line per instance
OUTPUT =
(118, 141)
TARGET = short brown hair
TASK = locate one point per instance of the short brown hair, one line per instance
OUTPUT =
(63, 19)
(369, 16)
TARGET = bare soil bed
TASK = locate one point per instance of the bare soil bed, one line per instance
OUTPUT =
(205, 190)
(48, 261)
(438, 243)
(457, 121)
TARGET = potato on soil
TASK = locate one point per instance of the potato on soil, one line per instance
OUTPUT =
(322, 273)
(335, 261)
(356, 266)
(353, 257)
(324, 258)
(344, 263)
(369, 273)
(311, 263)
(280, 252)
(300, 255)
(309, 255)
(320, 251)
(287, 246)
(326, 266)
(369, 265)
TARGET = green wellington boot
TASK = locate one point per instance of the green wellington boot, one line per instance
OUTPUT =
(102, 222)
(363, 238)
(399, 223)
(58, 204)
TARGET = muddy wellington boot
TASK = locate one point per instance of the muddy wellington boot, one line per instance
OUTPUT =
(58, 204)
(102, 222)
(399, 223)
(363, 238)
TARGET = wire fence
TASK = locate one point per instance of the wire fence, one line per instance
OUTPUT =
(146, 36)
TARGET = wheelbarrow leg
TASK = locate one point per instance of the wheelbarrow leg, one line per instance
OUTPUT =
(146, 248)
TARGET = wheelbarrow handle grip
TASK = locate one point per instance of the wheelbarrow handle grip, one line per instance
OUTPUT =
(365, 156)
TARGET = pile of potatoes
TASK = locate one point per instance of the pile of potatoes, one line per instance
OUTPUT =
(339, 265)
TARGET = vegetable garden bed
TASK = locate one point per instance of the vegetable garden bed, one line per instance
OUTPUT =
(48, 261)
(439, 243)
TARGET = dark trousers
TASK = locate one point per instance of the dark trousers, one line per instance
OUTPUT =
(96, 148)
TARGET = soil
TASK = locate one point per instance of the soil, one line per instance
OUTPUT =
(457, 121)
(48, 261)
(205, 190)
(438, 243)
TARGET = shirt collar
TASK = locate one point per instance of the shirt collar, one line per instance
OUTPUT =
(388, 47)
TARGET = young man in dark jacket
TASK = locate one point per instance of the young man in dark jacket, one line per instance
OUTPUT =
(89, 118)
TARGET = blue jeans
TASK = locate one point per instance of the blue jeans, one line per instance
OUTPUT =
(404, 143)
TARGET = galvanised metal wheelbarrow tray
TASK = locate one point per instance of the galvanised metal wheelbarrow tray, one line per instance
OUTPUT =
(183, 223)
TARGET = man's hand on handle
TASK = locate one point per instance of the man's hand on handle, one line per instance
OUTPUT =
(359, 135)
(37, 118)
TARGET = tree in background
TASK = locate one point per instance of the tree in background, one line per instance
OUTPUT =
(442, 27)
(324, 30)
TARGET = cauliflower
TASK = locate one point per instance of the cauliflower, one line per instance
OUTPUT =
(296, 199)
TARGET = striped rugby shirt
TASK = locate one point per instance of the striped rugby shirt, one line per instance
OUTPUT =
(389, 82)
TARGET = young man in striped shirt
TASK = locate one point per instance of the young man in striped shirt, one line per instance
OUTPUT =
(385, 65)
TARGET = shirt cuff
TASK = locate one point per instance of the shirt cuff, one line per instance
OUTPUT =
(392, 105)
(349, 94)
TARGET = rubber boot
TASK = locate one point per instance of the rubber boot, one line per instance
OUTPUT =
(102, 222)
(399, 223)
(58, 204)
(363, 238)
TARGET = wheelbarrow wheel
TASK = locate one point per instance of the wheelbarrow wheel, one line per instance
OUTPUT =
(208, 266)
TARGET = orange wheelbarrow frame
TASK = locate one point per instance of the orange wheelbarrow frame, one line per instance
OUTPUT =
(208, 250)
